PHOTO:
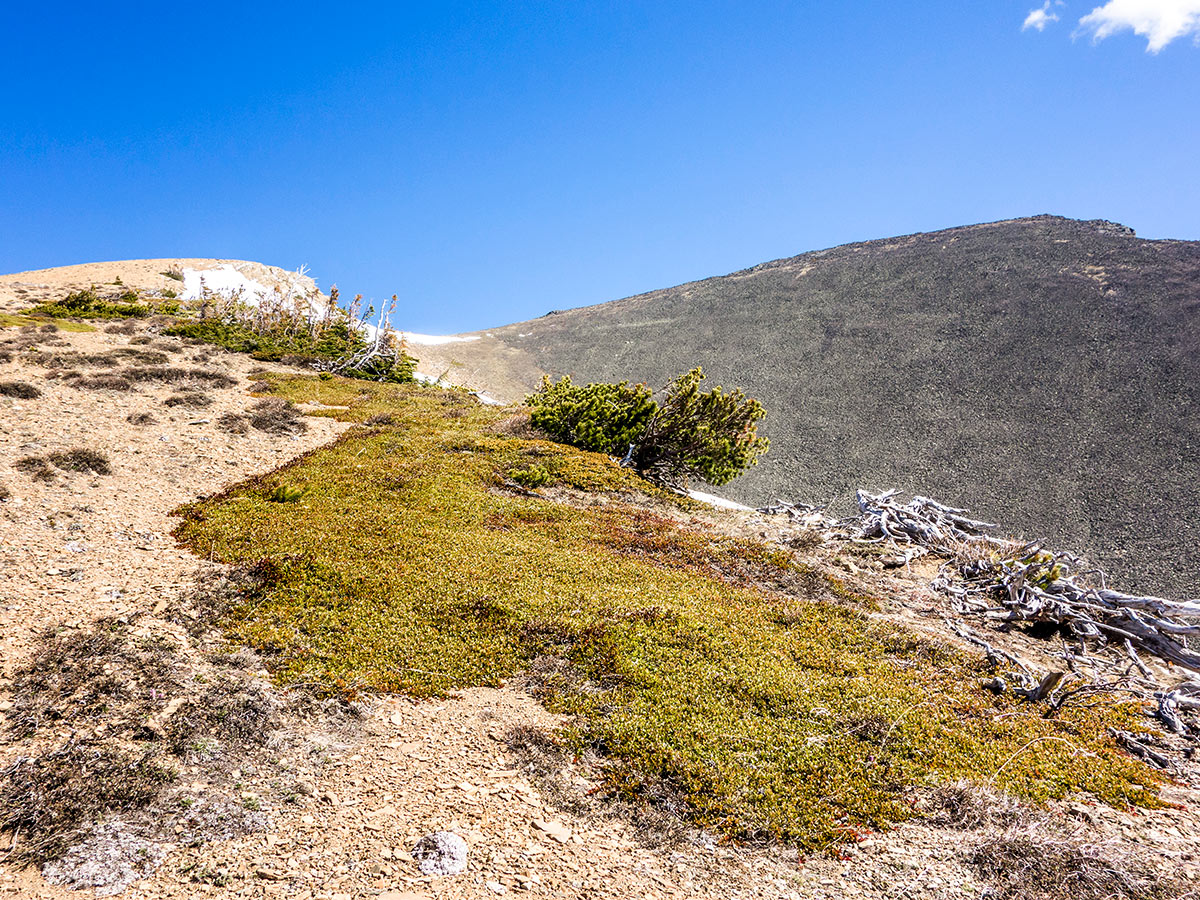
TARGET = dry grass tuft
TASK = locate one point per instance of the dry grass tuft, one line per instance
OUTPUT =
(380, 419)
(659, 820)
(47, 800)
(5, 493)
(1025, 854)
(82, 459)
(147, 695)
(233, 423)
(142, 418)
(275, 415)
(105, 382)
(22, 390)
(179, 375)
(122, 328)
(966, 805)
(35, 467)
(189, 398)
(1036, 863)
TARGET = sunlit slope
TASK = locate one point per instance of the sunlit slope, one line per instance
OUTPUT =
(1042, 371)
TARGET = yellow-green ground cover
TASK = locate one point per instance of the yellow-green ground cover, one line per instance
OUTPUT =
(9, 320)
(721, 672)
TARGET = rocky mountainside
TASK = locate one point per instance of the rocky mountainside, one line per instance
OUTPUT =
(1041, 371)
(274, 634)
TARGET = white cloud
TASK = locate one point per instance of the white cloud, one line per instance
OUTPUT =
(1158, 21)
(1040, 18)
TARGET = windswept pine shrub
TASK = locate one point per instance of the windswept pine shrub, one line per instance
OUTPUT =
(604, 418)
(704, 434)
(709, 434)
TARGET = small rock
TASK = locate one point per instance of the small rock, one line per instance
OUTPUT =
(556, 830)
(496, 887)
(441, 853)
(307, 788)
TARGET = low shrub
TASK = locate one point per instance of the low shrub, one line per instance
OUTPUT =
(604, 418)
(142, 418)
(706, 434)
(531, 477)
(286, 493)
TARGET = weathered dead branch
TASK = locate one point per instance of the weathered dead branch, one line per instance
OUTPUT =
(1010, 583)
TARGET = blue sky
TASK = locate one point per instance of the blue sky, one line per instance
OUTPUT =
(489, 162)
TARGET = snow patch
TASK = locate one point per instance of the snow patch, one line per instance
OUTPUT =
(224, 280)
(720, 502)
(433, 340)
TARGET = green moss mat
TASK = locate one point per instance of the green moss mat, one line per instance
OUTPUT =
(724, 673)
(8, 320)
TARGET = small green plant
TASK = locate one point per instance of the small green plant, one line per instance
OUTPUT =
(286, 493)
(173, 273)
(531, 477)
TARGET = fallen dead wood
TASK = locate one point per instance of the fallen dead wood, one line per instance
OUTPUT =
(1010, 583)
